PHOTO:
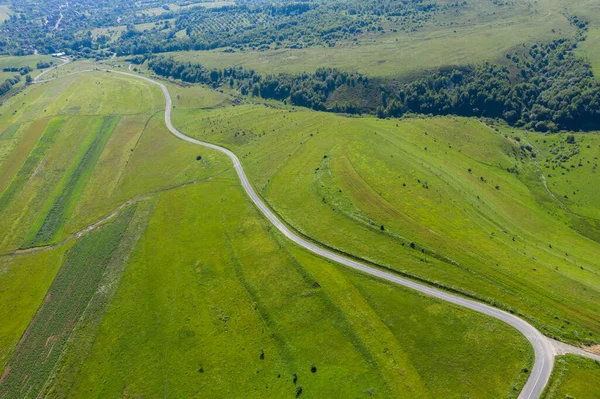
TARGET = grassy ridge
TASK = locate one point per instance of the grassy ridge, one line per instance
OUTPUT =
(73, 183)
(32, 161)
(483, 30)
(76, 282)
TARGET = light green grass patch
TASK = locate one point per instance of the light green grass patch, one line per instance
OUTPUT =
(574, 377)
(66, 195)
(590, 49)
(9, 132)
(32, 161)
(24, 282)
(5, 12)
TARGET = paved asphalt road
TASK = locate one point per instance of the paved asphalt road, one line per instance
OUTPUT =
(544, 351)
(545, 348)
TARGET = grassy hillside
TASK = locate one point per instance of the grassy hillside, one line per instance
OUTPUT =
(449, 200)
(484, 30)
(171, 284)
(574, 377)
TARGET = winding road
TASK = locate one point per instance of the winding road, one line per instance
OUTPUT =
(544, 348)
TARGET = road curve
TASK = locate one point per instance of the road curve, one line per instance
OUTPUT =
(544, 348)
(544, 351)
(64, 62)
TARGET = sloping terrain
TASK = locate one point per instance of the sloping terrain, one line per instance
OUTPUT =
(184, 288)
(448, 200)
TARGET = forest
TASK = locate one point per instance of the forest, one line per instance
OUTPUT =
(546, 88)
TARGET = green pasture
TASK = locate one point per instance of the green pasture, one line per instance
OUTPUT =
(5, 12)
(195, 285)
(574, 377)
(213, 295)
(448, 200)
(482, 31)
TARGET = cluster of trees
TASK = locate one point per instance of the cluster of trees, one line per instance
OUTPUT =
(24, 70)
(53, 26)
(306, 90)
(546, 88)
(43, 65)
(9, 83)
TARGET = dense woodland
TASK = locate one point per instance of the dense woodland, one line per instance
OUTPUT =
(546, 88)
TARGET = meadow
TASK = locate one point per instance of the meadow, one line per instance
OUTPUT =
(574, 377)
(448, 200)
(212, 294)
(482, 31)
(184, 287)
(19, 62)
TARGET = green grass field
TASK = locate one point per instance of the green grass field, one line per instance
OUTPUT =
(574, 377)
(213, 294)
(42, 344)
(194, 287)
(448, 200)
(448, 40)
(18, 62)
(5, 12)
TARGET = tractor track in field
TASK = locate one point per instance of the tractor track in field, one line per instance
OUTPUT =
(545, 349)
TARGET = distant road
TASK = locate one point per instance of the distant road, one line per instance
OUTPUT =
(64, 62)
(545, 349)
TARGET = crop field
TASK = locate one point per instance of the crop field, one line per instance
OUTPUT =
(574, 377)
(67, 192)
(39, 155)
(449, 200)
(448, 40)
(213, 295)
(41, 345)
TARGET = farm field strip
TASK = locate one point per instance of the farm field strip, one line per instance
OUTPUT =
(41, 345)
(134, 201)
(67, 192)
(32, 161)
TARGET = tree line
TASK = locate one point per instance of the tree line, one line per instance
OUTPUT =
(546, 88)
(305, 90)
